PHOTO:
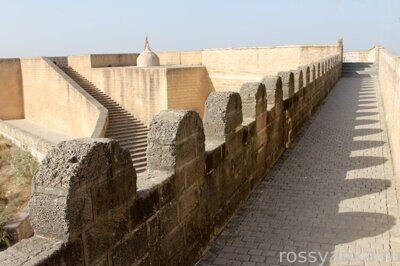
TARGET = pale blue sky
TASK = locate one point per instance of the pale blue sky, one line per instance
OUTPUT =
(44, 27)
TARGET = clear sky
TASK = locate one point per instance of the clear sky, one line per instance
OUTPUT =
(53, 27)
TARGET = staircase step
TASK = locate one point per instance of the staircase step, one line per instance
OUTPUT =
(122, 126)
(136, 144)
(138, 155)
(117, 127)
(139, 160)
(140, 167)
(123, 119)
(126, 132)
(126, 135)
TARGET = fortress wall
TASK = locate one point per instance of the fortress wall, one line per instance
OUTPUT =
(188, 88)
(180, 58)
(229, 68)
(141, 91)
(199, 173)
(146, 91)
(370, 56)
(70, 110)
(389, 80)
(11, 97)
(226, 70)
(82, 64)
(113, 60)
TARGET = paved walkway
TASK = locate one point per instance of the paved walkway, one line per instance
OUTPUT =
(331, 197)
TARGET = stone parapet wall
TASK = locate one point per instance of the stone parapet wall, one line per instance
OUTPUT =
(389, 81)
(87, 210)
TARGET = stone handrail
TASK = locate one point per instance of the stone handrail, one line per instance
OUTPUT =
(102, 120)
(86, 209)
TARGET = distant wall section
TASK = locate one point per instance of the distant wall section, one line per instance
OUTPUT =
(11, 96)
(229, 68)
(369, 56)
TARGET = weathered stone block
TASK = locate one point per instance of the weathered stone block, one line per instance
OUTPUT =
(223, 114)
(168, 217)
(101, 237)
(135, 247)
(188, 201)
(113, 193)
(194, 172)
(171, 138)
(172, 246)
(253, 97)
(287, 84)
(146, 204)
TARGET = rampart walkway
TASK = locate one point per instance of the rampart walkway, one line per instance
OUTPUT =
(332, 194)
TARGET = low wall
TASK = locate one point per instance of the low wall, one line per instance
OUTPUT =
(87, 210)
(38, 146)
(370, 56)
(70, 109)
(11, 98)
(389, 80)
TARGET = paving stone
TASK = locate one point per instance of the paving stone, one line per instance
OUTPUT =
(332, 194)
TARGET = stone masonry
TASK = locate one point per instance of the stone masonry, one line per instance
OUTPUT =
(88, 208)
(334, 193)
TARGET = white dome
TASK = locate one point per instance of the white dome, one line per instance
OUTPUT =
(147, 58)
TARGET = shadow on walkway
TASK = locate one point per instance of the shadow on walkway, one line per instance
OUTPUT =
(326, 197)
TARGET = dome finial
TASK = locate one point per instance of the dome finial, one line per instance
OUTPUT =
(147, 58)
(146, 43)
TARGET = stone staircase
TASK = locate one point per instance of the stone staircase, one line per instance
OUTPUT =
(122, 126)
(359, 69)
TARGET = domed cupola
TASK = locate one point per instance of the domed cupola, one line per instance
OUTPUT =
(147, 58)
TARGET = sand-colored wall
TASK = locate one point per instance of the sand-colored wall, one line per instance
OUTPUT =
(141, 91)
(180, 58)
(389, 80)
(82, 64)
(68, 108)
(229, 68)
(145, 92)
(112, 60)
(369, 56)
(188, 88)
(11, 98)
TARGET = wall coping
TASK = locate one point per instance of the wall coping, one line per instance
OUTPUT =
(102, 121)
